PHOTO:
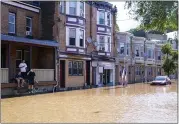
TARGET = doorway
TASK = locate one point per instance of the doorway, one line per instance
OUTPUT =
(62, 73)
(88, 72)
(106, 76)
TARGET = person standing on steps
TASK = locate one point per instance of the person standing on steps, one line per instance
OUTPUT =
(23, 68)
(31, 78)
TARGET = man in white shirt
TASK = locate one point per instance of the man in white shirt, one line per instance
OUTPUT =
(23, 67)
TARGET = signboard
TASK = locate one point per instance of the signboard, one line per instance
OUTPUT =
(100, 69)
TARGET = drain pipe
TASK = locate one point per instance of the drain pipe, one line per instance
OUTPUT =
(57, 72)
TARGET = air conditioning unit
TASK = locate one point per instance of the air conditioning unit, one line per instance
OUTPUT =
(27, 33)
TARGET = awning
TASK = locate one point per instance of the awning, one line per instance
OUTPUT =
(30, 41)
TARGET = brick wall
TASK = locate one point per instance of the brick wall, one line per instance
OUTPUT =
(21, 15)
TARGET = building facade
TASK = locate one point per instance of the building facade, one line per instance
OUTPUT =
(85, 31)
(21, 40)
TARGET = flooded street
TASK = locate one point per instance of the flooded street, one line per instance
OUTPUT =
(136, 103)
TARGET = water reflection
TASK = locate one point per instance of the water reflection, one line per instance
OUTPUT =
(133, 104)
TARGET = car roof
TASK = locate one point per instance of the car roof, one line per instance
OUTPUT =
(163, 76)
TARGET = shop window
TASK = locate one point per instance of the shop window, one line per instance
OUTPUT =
(75, 68)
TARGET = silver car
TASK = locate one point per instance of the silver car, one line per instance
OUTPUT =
(163, 80)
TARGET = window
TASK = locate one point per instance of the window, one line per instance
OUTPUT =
(28, 26)
(101, 43)
(108, 19)
(150, 71)
(18, 57)
(75, 68)
(159, 55)
(137, 71)
(101, 17)
(159, 71)
(109, 45)
(12, 21)
(137, 51)
(62, 7)
(81, 38)
(122, 48)
(72, 36)
(127, 49)
(82, 9)
(72, 8)
(149, 54)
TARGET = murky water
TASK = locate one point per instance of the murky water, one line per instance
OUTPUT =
(136, 103)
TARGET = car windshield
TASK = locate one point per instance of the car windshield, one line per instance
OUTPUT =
(160, 78)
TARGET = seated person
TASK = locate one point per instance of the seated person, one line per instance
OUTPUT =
(19, 79)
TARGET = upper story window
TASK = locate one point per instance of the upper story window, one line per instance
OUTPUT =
(109, 44)
(73, 7)
(101, 43)
(159, 55)
(127, 49)
(137, 51)
(28, 26)
(101, 17)
(12, 23)
(72, 36)
(81, 38)
(82, 9)
(150, 53)
(121, 48)
(108, 19)
(62, 7)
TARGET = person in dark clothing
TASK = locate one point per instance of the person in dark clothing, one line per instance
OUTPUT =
(19, 79)
(31, 78)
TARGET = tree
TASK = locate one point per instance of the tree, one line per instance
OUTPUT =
(155, 15)
(170, 59)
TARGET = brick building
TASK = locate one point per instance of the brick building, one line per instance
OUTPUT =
(75, 24)
(21, 39)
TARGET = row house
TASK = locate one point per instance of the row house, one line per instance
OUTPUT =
(140, 56)
(21, 39)
(85, 31)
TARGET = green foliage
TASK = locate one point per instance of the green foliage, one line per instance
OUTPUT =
(170, 60)
(166, 49)
(116, 25)
(155, 15)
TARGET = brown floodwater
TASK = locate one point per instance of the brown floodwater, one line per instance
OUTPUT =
(133, 104)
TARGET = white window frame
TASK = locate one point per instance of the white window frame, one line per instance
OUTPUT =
(82, 10)
(99, 16)
(73, 37)
(29, 26)
(75, 7)
(109, 43)
(13, 23)
(82, 37)
(101, 44)
(109, 19)
(61, 6)
(120, 48)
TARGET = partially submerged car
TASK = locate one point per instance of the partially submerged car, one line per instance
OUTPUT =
(161, 80)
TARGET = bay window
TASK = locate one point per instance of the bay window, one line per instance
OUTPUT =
(82, 9)
(108, 19)
(101, 43)
(101, 17)
(72, 7)
(72, 36)
(137, 51)
(109, 45)
(81, 38)
(121, 45)
(62, 7)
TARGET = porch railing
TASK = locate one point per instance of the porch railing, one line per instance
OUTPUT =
(44, 74)
(4, 75)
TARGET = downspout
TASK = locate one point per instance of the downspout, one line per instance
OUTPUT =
(57, 52)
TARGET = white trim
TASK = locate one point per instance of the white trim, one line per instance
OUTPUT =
(22, 5)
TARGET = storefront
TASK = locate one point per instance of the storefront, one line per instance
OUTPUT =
(103, 73)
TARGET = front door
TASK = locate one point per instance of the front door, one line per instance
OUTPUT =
(88, 72)
(62, 73)
(106, 76)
